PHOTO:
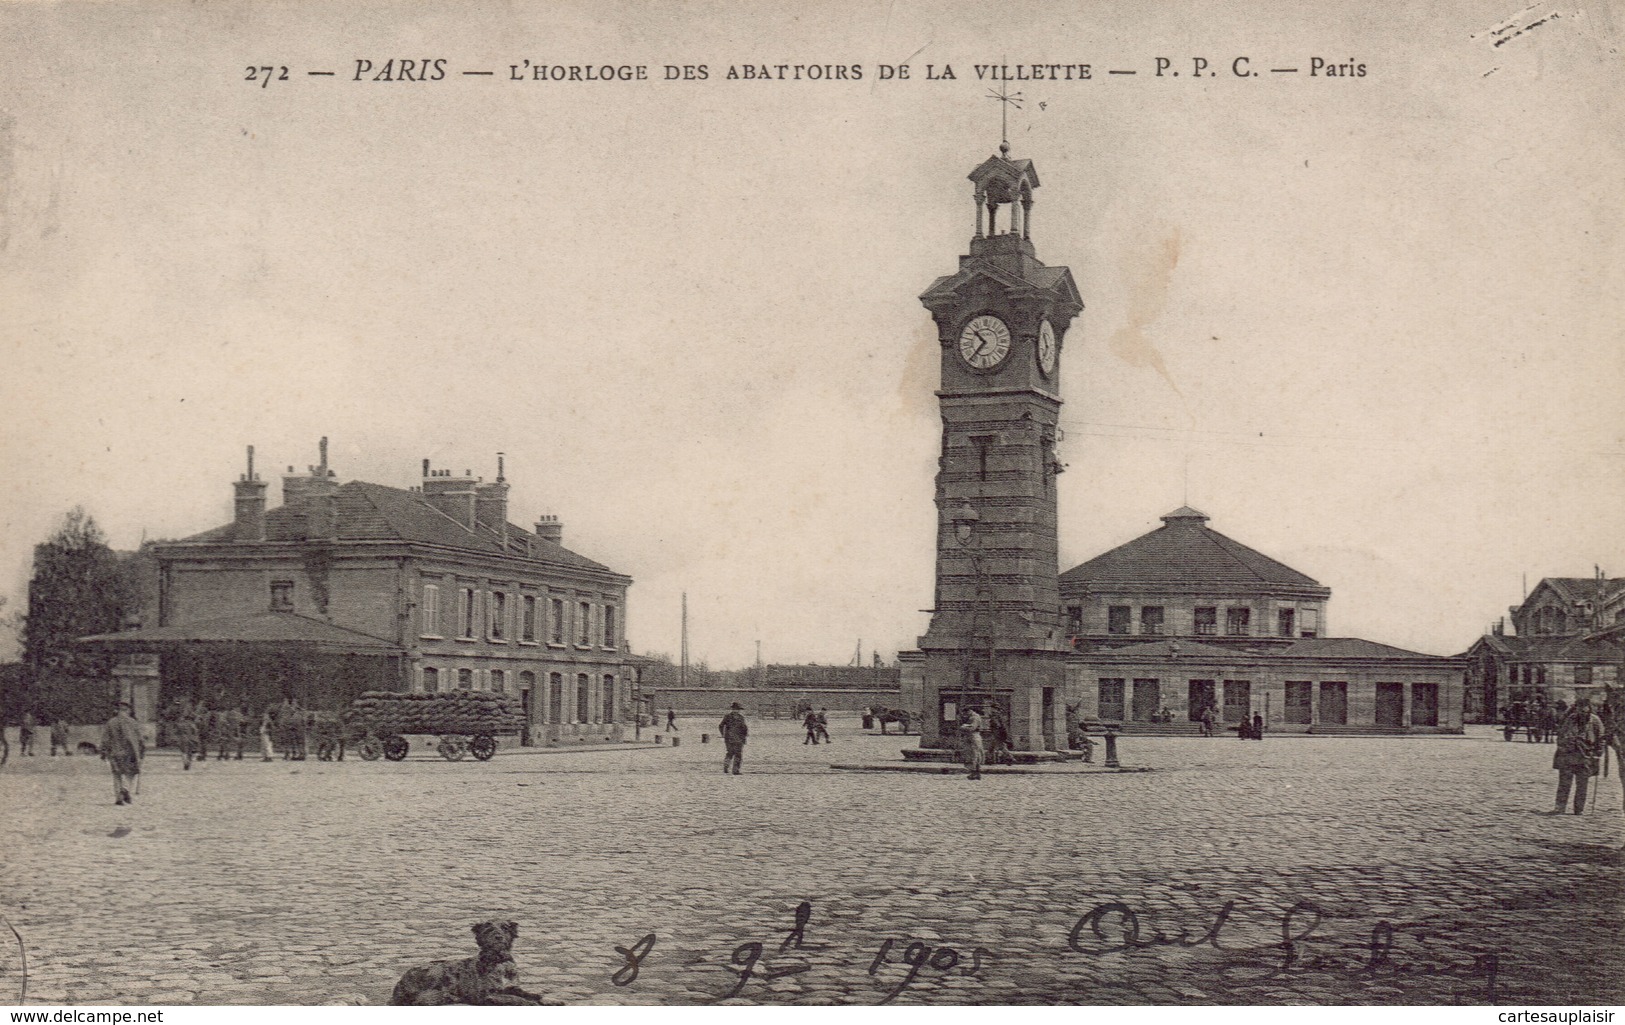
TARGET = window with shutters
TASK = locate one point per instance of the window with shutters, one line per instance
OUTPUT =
(527, 619)
(429, 611)
(1118, 619)
(498, 612)
(556, 624)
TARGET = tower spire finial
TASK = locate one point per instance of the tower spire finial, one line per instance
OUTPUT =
(1007, 99)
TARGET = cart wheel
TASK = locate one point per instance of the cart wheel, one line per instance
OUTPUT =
(395, 748)
(452, 749)
(483, 747)
(371, 749)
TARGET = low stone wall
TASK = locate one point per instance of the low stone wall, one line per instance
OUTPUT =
(768, 702)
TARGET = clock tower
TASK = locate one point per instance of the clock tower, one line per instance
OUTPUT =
(996, 640)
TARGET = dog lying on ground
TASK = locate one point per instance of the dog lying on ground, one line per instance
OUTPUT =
(87, 748)
(490, 977)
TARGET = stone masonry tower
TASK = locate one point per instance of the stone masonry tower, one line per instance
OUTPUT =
(996, 638)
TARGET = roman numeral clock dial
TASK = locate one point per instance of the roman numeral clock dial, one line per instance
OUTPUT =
(984, 342)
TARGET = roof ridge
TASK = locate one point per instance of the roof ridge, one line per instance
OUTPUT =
(1218, 540)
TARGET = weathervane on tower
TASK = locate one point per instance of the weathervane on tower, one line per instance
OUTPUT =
(1006, 100)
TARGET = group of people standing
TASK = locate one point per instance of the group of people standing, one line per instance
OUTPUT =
(27, 728)
(195, 728)
(1537, 718)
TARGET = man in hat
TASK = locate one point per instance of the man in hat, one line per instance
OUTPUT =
(1579, 741)
(59, 737)
(734, 731)
(971, 727)
(123, 747)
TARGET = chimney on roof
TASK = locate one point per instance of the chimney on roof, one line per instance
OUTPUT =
(250, 503)
(548, 528)
(315, 494)
(454, 496)
(491, 504)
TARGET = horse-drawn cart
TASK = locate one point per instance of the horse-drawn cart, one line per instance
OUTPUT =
(466, 723)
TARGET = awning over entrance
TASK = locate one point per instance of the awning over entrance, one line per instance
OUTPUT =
(281, 630)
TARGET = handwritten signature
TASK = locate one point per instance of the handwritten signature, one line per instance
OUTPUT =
(1116, 927)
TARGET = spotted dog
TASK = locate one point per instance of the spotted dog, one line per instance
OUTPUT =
(490, 977)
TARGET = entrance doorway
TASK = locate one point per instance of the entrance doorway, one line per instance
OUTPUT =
(1200, 695)
(1238, 700)
(1390, 704)
(1297, 701)
(1111, 700)
(1334, 704)
(1147, 699)
(1424, 704)
(951, 705)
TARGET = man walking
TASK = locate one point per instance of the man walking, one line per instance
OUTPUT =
(671, 720)
(25, 735)
(59, 737)
(123, 747)
(185, 732)
(823, 724)
(230, 729)
(809, 722)
(734, 731)
(1579, 741)
(971, 728)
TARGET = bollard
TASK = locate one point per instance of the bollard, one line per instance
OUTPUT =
(1111, 749)
(675, 741)
(705, 738)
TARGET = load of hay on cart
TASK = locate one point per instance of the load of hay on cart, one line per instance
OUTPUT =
(466, 722)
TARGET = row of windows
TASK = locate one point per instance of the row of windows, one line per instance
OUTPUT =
(1535, 676)
(566, 701)
(1233, 701)
(501, 616)
(1238, 621)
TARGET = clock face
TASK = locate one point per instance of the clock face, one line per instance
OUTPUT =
(984, 342)
(1046, 348)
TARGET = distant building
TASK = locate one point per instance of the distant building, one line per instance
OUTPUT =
(1184, 618)
(1567, 641)
(356, 586)
(1187, 580)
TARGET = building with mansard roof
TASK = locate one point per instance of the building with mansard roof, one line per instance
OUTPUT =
(355, 586)
(1184, 617)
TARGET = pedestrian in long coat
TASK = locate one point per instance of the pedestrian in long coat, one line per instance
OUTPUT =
(123, 747)
(734, 731)
(266, 750)
(974, 752)
(1579, 742)
(59, 737)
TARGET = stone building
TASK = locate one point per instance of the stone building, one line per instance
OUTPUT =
(1183, 618)
(1567, 640)
(995, 640)
(1187, 580)
(356, 586)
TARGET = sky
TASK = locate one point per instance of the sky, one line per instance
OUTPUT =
(1369, 324)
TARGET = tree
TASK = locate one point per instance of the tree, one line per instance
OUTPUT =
(80, 586)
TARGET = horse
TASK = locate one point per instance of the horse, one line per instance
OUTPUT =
(886, 716)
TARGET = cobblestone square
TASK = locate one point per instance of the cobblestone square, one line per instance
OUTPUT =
(1420, 869)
